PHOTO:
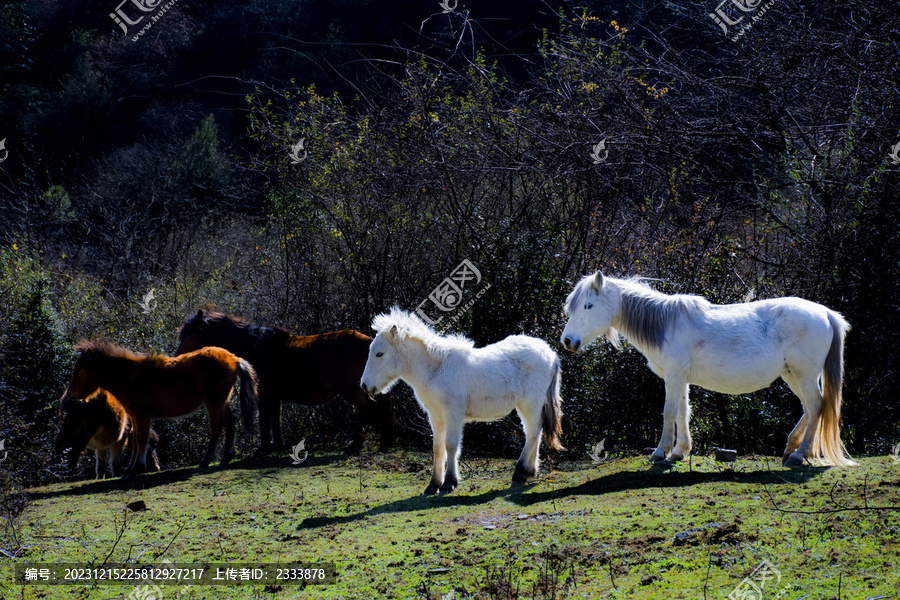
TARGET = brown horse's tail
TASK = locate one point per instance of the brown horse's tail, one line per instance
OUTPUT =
(828, 437)
(551, 413)
(249, 393)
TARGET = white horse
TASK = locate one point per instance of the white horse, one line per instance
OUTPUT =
(733, 349)
(456, 382)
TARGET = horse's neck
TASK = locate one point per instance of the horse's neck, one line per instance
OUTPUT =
(420, 365)
(117, 371)
(643, 318)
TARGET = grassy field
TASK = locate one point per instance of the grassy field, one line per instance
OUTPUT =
(620, 529)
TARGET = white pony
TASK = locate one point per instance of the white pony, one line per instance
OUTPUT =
(456, 382)
(734, 349)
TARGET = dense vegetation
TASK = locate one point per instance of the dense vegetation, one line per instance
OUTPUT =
(739, 169)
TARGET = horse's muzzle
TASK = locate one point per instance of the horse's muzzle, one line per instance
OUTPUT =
(570, 344)
(368, 390)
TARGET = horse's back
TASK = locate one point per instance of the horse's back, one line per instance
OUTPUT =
(337, 353)
(514, 365)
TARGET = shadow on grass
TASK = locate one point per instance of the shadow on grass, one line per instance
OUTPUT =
(256, 466)
(653, 477)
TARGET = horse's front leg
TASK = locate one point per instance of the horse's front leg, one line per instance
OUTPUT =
(265, 420)
(682, 426)
(454, 428)
(676, 404)
(439, 448)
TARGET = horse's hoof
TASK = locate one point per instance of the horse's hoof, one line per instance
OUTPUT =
(449, 485)
(203, 465)
(225, 460)
(792, 461)
(431, 490)
(657, 457)
(521, 474)
(675, 457)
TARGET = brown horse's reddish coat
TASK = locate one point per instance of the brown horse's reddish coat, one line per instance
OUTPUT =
(308, 370)
(98, 423)
(157, 387)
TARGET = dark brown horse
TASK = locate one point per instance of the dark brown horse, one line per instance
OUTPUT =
(157, 387)
(308, 370)
(98, 423)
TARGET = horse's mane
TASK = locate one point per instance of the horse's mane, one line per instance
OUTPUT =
(646, 313)
(411, 326)
(106, 348)
(232, 326)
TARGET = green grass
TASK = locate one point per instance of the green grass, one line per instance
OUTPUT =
(623, 529)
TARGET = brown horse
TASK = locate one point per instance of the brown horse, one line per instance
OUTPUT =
(309, 370)
(98, 423)
(157, 387)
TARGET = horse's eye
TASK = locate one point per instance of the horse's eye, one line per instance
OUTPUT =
(588, 306)
(379, 354)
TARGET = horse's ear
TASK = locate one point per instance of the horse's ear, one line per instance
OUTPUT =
(201, 320)
(392, 332)
(597, 281)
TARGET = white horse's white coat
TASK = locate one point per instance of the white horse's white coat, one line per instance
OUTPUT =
(734, 349)
(456, 382)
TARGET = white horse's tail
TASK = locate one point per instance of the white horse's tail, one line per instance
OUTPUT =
(828, 437)
(551, 412)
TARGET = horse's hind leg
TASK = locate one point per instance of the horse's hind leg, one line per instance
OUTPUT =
(793, 440)
(140, 433)
(102, 462)
(229, 451)
(807, 389)
(216, 422)
(529, 463)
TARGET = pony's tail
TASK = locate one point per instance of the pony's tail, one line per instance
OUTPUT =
(551, 412)
(249, 393)
(828, 442)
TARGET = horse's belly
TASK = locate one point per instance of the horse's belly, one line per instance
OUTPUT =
(488, 409)
(735, 382)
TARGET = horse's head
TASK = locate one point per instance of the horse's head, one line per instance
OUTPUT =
(75, 430)
(191, 334)
(590, 308)
(84, 379)
(383, 366)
